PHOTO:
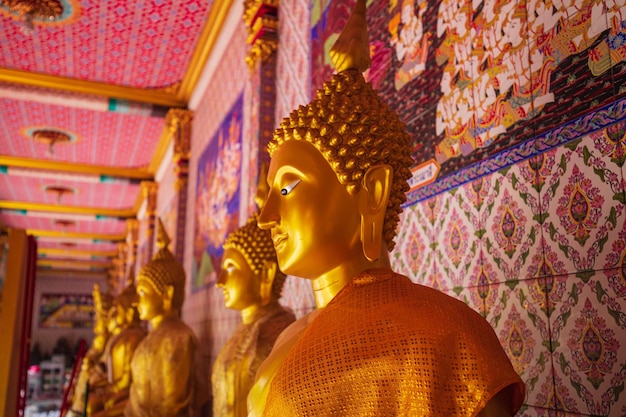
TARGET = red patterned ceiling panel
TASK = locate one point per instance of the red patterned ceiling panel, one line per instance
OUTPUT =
(98, 195)
(48, 243)
(144, 43)
(100, 138)
(22, 221)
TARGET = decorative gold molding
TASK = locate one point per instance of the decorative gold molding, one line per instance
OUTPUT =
(69, 263)
(153, 96)
(206, 42)
(46, 165)
(75, 235)
(149, 191)
(70, 273)
(76, 252)
(261, 19)
(54, 208)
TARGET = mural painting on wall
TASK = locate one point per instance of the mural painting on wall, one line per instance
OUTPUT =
(473, 78)
(67, 311)
(217, 197)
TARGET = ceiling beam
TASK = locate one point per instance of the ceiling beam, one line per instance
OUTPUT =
(162, 97)
(107, 171)
(55, 208)
(76, 252)
(56, 273)
(73, 265)
(76, 235)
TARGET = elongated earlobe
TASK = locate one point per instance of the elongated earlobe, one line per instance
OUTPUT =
(373, 206)
(268, 273)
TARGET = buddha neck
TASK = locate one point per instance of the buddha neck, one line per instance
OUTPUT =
(248, 314)
(156, 321)
(328, 285)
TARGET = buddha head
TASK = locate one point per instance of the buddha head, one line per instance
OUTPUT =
(250, 275)
(126, 303)
(161, 282)
(339, 169)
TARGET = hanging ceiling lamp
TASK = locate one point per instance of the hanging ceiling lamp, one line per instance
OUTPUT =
(34, 9)
(51, 137)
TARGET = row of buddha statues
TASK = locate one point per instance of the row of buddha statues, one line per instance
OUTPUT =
(377, 344)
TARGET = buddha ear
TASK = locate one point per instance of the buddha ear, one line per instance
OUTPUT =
(268, 273)
(168, 296)
(373, 200)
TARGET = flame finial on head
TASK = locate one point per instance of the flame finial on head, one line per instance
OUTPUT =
(351, 49)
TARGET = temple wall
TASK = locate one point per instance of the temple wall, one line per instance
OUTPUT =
(525, 220)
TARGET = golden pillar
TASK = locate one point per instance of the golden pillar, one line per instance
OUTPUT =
(149, 190)
(261, 19)
(179, 122)
(132, 240)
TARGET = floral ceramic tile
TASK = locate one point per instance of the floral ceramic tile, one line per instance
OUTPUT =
(530, 411)
(413, 255)
(512, 222)
(582, 200)
(466, 295)
(456, 243)
(520, 321)
(588, 332)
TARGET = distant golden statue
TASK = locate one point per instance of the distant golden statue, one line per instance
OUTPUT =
(378, 344)
(118, 358)
(91, 368)
(252, 284)
(162, 367)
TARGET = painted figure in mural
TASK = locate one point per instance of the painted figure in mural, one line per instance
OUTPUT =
(252, 284)
(409, 41)
(91, 368)
(118, 359)
(378, 344)
(162, 367)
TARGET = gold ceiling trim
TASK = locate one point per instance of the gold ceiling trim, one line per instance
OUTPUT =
(77, 252)
(134, 173)
(205, 44)
(75, 235)
(54, 208)
(69, 263)
(153, 96)
(71, 273)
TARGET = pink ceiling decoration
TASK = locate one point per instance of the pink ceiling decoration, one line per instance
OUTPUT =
(21, 221)
(145, 43)
(100, 195)
(109, 139)
(94, 247)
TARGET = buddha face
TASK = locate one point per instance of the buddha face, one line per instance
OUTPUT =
(314, 221)
(241, 286)
(149, 301)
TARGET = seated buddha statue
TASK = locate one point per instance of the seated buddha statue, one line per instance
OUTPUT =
(252, 284)
(378, 344)
(120, 352)
(162, 367)
(91, 368)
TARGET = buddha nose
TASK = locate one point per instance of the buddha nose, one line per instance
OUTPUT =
(221, 279)
(268, 217)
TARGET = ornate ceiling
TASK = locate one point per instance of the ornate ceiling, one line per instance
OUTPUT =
(83, 100)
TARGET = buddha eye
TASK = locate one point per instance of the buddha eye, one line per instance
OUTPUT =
(289, 187)
(230, 269)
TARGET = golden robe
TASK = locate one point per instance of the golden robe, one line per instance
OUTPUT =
(385, 346)
(236, 365)
(163, 373)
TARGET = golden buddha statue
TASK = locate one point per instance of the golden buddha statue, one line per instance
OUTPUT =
(378, 344)
(252, 284)
(120, 352)
(162, 367)
(91, 368)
